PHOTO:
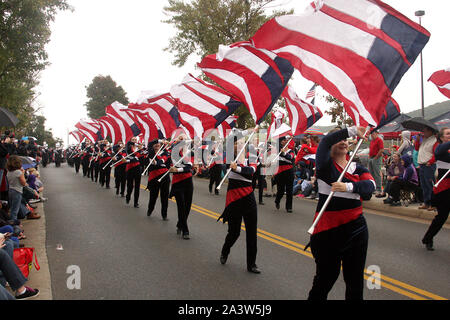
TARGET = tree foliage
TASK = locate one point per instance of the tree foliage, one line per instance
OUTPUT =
(101, 93)
(337, 112)
(37, 129)
(24, 32)
(203, 25)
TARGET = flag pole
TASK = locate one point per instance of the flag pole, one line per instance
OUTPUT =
(126, 157)
(276, 158)
(325, 205)
(237, 157)
(113, 157)
(161, 149)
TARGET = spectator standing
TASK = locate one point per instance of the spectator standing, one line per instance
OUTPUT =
(427, 164)
(375, 159)
(406, 147)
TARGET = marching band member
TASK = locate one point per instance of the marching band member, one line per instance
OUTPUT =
(341, 236)
(133, 172)
(215, 168)
(241, 204)
(120, 165)
(285, 174)
(105, 156)
(441, 193)
(182, 186)
(160, 166)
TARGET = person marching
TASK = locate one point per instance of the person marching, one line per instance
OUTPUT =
(285, 174)
(258, 178)
(133, 172)
(215, 168)
(182, 186)
(241, 204)
(120, 165)
(104, 158)
(340, 237)
(76, 160)
(87, 150)
(95, 168)
(160, 166)
(441, 193)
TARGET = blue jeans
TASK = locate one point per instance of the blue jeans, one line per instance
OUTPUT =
(10, 271)
(427, 180)
(15, 201)
(10, 229)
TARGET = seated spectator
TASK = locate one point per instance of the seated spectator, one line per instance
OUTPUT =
(305, 187)
(394, 171)
(14, 276)
(408, 181)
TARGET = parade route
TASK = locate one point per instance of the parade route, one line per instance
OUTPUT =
(123, 254)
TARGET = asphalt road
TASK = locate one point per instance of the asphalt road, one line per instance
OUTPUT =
(123, 254)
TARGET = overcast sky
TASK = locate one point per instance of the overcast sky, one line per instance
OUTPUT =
(125, 39)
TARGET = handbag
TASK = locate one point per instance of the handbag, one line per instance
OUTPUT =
(23, 257)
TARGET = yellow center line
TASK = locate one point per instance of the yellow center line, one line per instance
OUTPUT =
(395, 285)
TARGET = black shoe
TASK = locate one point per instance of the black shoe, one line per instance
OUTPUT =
(254, 269)
(216, 193)
(261, 203)
(387, 201)
(428, 245)
(28, 294)
(149, 213)
(178, 231)
(136, 205)
(127, 201)
(186, 236)
(165, 219)
(289, 210)
(277, 205)
(223, 258)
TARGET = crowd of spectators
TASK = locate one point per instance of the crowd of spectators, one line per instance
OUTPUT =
(20, 189)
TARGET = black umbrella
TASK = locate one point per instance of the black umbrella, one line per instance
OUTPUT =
(7, 118)
(418, 124)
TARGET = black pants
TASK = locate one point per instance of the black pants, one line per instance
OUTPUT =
(345, 245)
(133, 182)
(397, 185)
(182, 191)
(85, 165)
(215, 175)
(285, 182)
(120, 179)
(258, 182)
(246, 210)
(161, 188)
(105, 175)
(442, 204)
(77, 163)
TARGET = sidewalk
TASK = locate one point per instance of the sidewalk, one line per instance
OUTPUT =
(35, 230)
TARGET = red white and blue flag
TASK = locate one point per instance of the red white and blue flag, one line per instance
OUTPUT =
(129, 128)
(442, 81)
(89, 129)
(257, 77)
(277, 118)
(356, 50)
(202, 105)
(77, 135)
(311, 94)
(226, 126)
(149, 129)
(302, 115)
(162, 110)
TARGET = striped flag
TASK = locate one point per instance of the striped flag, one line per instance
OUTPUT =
(89, 129)
(202, 105)
(442, 81)
(226, 126)
(302, 115)
(111, 127)
(311, 93)
(391, 112)
(356, 50)
(257, 77)
(148, 128)
(129, 128)
(276, 121)
(162, 110)
(78, 135)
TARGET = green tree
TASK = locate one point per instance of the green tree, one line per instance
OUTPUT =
(24, 32)
(101, 93)
(202, 25)
(337, 112)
